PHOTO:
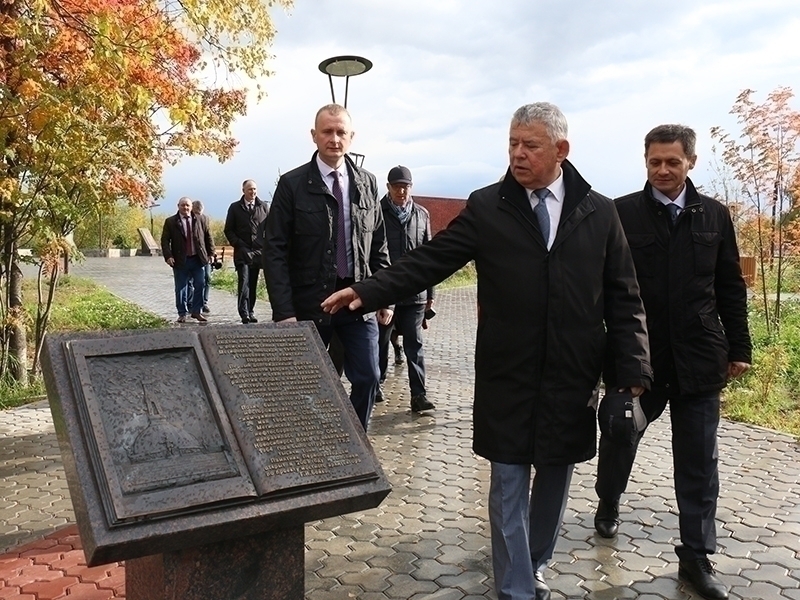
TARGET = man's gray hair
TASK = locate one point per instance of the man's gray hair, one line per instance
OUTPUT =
(667, 134)
(545, 113)
(197, 207)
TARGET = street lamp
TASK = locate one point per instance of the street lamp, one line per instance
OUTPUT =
(347, 67)
(344, 66)
(150, 208)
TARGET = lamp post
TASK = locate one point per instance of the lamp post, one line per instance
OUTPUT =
(344, 66)
(347, 67)
(150, 208)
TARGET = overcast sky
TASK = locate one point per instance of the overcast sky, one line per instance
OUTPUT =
(448, 74)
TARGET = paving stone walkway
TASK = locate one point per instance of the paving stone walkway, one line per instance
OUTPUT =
(429, 539)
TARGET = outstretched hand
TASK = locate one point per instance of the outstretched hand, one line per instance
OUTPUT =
(346, 298)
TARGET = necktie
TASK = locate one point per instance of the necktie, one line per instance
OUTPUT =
(540, 210)
(673, 210)
(188, 230)
(342, 269)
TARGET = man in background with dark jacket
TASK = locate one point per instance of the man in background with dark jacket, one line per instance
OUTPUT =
(687, 265)
(557, 297)
(187, 246)
(408, 225)
(244, 230)
(323, 233)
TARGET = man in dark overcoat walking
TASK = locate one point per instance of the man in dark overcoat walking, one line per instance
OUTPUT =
(558, 298)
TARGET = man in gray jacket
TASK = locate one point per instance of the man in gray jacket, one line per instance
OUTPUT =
(408, 225)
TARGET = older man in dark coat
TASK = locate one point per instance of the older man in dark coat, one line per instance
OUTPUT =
(187, 246)
(557, 298)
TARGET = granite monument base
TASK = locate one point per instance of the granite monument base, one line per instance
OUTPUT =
(267, 566)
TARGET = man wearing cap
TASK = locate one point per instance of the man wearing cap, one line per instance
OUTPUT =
(408, 225)
(323, 233)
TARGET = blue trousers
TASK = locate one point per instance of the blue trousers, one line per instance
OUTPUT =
(694, 420)
(190, 269)
(359, 339)
(190, 286)
(525, 519)
(408, 323)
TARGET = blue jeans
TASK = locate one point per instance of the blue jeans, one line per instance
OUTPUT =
(190, 269)
(359, 339)
(525, 519)
(190, 285)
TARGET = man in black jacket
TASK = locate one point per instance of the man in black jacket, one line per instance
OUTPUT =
(187, 246)
(557, 297)
(408, 225)
(244, 230)
(687, 265)
(323, 233)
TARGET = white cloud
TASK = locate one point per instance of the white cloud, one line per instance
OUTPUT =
(448, 75)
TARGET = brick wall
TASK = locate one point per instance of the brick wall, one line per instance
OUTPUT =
(443, 210)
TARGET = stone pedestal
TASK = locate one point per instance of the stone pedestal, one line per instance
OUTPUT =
(267, 566)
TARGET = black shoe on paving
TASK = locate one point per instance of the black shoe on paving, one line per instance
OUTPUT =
(245, 320)
(379, 395)
(206, 310)
(398, 355)
(606, 519)
(420, 403)
(252, 319)
(700, 574)
(541, 589)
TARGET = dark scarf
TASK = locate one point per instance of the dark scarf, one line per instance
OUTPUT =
(403, 213)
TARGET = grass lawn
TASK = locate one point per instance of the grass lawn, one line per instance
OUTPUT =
(80, 305)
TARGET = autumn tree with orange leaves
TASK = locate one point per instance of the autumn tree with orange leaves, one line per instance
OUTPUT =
(764, 161)
(95, 97)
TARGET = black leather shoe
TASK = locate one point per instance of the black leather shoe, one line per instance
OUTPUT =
(252, 319)
(245, 320)
(398, 355)
(700, 574)
(542, 590)
(379, 395)
(606, 519)
(420, 403)
(206, 310)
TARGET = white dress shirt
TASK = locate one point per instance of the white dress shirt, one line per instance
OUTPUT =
(680, 201)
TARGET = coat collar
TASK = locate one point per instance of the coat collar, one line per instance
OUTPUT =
(317, 186)
(693, 197)
(257, 202)
(576, 189)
